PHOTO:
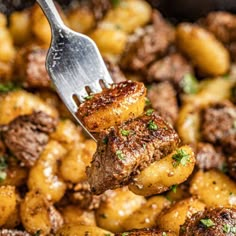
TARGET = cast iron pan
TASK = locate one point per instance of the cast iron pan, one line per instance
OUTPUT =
(174, 10)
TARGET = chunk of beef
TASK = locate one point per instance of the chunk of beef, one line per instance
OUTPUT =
(172, 68)
(146, 232)
(126, 149)
(115, 71)
(149, 45)
(13, 232)
(163, 99)
(100, 8)
(218, 125)
(211, 222)
(231, 164)
(81, 195)
(27, 135)
(30, 67)
(207, 157)
(222, 25)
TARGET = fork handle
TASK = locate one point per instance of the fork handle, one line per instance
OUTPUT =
(51, 13)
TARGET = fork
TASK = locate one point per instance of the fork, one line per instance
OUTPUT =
(73, 62)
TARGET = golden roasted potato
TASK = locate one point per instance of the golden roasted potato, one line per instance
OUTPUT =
(109, 40)
(7, 50)
(73, 165)
(173, 169)
(20, 26)
(113, 106)
(43, 175)
(121, 204)
(73, 214)
(7, 203)
(214, 188)
(172, 218)
(145, 216)
(206, 52)
(128, 15)
(20, 102)
(81, 230)
(81, 19)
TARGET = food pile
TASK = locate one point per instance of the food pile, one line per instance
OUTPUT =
(165, 160)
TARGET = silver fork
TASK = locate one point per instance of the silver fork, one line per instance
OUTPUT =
(73, 62)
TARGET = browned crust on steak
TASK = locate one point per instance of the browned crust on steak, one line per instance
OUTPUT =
(118, 158)
(146, 232)
(13, 232)
(222, 218)
(27, 135)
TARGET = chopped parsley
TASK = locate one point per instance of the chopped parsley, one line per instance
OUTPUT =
(8, 87)
(147, 102)
(207, 222)
(120, 155)
(149, 112)
(38, 232)
(224, 168)
(105, 140)
(88, 97)
(152, 125)
(115, 3)
(181, 157)
(174, 188)
(125, 132)
(125, 234)
(3, 167)
(229, 229)
(189, 84)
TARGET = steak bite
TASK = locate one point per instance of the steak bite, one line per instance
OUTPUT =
(218, 125)
(27, 135)
(171, 68)
(207, 157)
(163, 99)
(124, 150)
(112, 106)
(211, 222)
(151, 44)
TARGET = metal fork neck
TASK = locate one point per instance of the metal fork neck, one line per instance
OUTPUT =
(51, 13)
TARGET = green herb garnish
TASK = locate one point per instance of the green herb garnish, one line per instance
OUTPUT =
(125, 132)
(229, 229)
(38, 232)
(147, 102)
(115, 3)
(152, 125)
(88, 97)
(174, 188)
(120, 155)
(181, 157)
(125, 234)
(105, 140)
(207, 222)
(189, 84)
(4, 88)
(149, 112)
(3, 167)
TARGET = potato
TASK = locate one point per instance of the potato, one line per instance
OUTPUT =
(73, 214)
(162, 174)
(145, 216)
(81, 230)
(214, 188)
(73, 165)
(43, 175)
(67, 134)
(121, 204)
(34, 212)
(7, 203)
(175, 216)
(188, 123)
(206, 52)
(128, 15)
(7, 50)
(20, 102)
(81, 19)
(20, 27)
(109, 40)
